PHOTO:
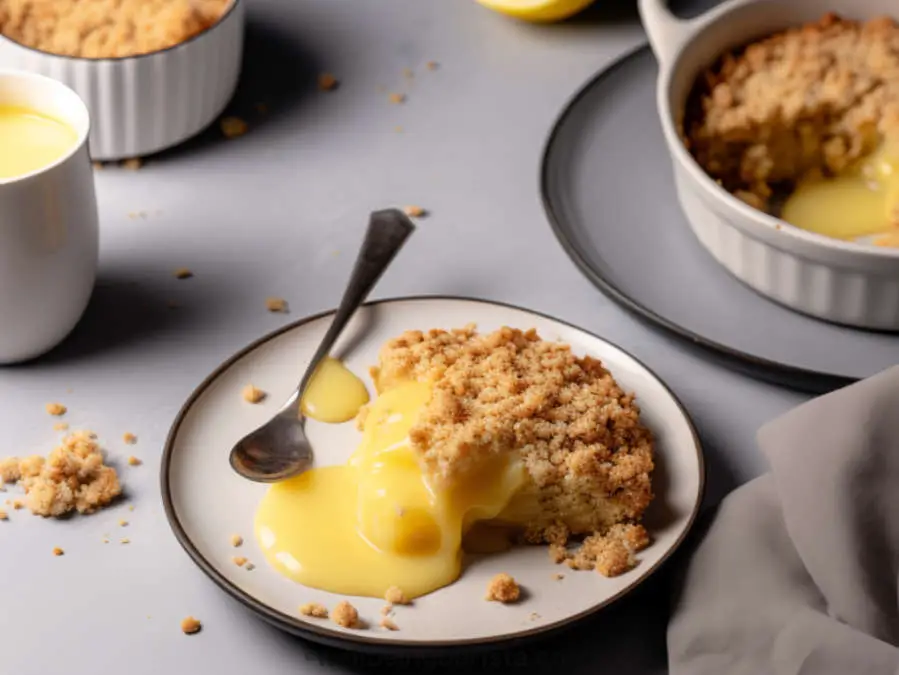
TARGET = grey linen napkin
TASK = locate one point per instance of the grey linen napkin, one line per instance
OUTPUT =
(797, 572)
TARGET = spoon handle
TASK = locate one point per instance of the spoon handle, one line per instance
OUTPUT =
(388, 230)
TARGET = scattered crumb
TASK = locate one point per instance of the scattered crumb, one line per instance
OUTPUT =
(60, 426)
(261, 108)
(233, 127)
(612, 552)
(314, 610)
(239, 560)
(503, 588)
(252, 394)
(190, 625)
(327, 82)
(415, 211)
(105, 540)
(129, 438)
(17, 505)
(388, 623)
(3, 515)
(134, 461)
(123, 523)
(432, 65)
(397, 98)
(345, 615)
(183, 273)
(131, 507)
(276, 305)
(533, 616)
(386, 609)
(558, 577)
(56, 409)
(126, 540)
(133, 164)
(58, 551)
(98, 166)
(407, 72)
(236, 540)
(249, 567)
(395, 596)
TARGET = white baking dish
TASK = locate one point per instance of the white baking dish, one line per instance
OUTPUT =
(146, 103)
(840, 281)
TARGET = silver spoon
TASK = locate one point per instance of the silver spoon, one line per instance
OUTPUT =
(279, 449)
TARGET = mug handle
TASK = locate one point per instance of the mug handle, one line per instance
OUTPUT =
(667, 34)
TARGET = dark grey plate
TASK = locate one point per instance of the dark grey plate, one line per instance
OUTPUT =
(609, 193)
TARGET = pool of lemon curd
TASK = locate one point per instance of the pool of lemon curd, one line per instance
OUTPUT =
(30, 141)
(861, 204)
(376, 521)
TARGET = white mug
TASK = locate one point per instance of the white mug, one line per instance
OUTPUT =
(49, 229)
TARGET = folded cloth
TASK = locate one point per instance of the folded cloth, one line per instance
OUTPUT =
(797, 571)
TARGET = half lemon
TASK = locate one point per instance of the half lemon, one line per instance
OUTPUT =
(537, 10)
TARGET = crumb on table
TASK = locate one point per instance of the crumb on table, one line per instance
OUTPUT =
(345, 615)
(236, 540)
(233, 127)
(58, 551)
(56, 409)
(415, 211)
(274, 304)
(503, 588)
(314, 610)
(190, 625)
(388, 623)
(129, 438)
(134, 461)
(252, 394)
(327, 82)
(182, 273)
(395, 596)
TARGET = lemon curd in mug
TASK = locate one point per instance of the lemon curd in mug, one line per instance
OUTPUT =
(30, 141)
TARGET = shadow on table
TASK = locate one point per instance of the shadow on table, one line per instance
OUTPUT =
(278, 74)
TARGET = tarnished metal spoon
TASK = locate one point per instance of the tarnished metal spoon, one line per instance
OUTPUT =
(279, 449)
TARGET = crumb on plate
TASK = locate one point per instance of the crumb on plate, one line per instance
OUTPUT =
(314, 610)
(395, 596)
(432, 65)
(233, 127)
(345, 615)
(60, 426)
(56, 409)
(133, 164)
(3, 515)
(503, 588)
(134, 461)
(239, 560)
(276, 305)
(388, 623)
(610, 553)
(415, 211)
(236, 540)
(249, 567)
(252, 394)
(58, 551)
(125, 540)
(397, 98)
(129, 438)
(190, 625)
(558, 577)
(182, 273)
(123, 523)
(327, 82)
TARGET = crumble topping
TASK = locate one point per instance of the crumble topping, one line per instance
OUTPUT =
(503, 588)
(73, 477)
(314, 610)
(803, 103)
(345, 615)
(97, 29)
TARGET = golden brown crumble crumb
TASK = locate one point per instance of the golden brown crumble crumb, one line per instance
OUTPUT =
(558, 577)
(805, 102)
(432, 65)
(123, 523)
(386, 609)
(3, 515)
(58, 551)
(579, 436)
(239, 560)
(56, 409)
(612, 552)
(183, 273)
(17, 505)
(252, 394)
(107, 28)
(314, 610)
(395, 596)
(105, 540)
(125, 540)
(327, 82)
(129, 438)
(233, 127)
(415, 211)
(236, 540)
(134, 461)
(276, 305)
(72, 477)
(503, 588)
(397, 98)
(345, 615)
(133, 164)
(190, 625)
(388, 623)
(60, 426)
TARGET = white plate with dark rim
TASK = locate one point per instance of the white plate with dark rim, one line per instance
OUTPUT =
(206, 502)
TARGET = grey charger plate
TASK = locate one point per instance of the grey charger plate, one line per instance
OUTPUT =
(608, 190)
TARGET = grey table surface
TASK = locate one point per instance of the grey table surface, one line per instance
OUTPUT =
(280, 212)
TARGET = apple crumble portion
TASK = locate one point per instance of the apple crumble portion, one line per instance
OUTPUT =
(803, 103)
(72, 478)
(579, 436)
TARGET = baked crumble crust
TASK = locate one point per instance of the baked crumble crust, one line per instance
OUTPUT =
(802, 103)
(587, 454)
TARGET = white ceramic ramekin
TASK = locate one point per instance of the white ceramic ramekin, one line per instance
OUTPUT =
(48, 229)
(839, 281)
(143, 104)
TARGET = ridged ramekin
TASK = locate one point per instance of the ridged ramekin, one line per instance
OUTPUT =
(146, 103)
(840, 281)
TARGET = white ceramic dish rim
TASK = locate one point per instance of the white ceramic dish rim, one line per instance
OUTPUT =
(83, 133)
(297, 627)
(134, 57)
(669, 37)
